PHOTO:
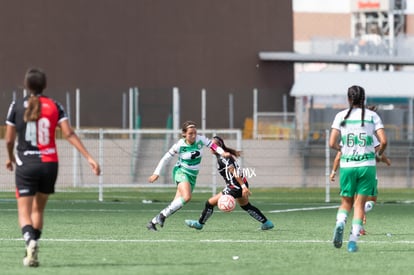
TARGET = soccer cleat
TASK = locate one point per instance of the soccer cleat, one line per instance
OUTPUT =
(267, 225)
(338, 235)
(352, 246)
(151, 226)
(160, 219)
(32, 251)
(194, 224)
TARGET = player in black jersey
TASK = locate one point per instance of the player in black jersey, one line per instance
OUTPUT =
(236, 186)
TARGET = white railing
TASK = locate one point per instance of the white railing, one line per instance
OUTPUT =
(273, 125)
(129, 157)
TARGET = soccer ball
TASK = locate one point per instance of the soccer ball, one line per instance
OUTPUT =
(226, 203)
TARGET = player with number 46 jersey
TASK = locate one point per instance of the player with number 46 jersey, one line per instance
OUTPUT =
(36, 141)
(33, 120)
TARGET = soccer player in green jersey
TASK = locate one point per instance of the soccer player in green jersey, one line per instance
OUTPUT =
(353, 133)
(372, 199)
(190, 151)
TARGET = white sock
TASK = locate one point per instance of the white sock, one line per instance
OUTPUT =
(355, 232)
(341, 217)
(174, 206)
(369, 205)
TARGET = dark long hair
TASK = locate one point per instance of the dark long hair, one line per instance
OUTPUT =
(356, 98)
(220, 143)
(35, 82)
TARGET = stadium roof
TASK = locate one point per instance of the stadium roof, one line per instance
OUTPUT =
(376, 84)
(337, 59)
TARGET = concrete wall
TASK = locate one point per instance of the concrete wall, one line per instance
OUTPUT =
(104, 47)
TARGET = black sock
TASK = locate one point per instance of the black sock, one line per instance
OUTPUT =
(207, 212)
(254, 212)
(37, 234)
(28, 233)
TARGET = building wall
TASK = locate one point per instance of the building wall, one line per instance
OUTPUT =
(330, 25)
(338, 25)
(103, 47)
(326, 19)
(410, 24)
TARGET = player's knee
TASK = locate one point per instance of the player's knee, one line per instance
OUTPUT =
(209, 204)
(186, 198)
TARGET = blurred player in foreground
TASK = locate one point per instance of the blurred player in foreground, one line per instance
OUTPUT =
(33, 120)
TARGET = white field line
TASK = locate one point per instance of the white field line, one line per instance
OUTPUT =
(100, 210)
(304, 209)
(183, 210)
(202, 241)
(187, 210)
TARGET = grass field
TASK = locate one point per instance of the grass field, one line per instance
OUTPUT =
(85, 236)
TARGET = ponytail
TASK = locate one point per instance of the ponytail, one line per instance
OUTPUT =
(220, 143)
(356, 98)
(32, 112)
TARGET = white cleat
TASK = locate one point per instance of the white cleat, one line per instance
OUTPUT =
(31, 254)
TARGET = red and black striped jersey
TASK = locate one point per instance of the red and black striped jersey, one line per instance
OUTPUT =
(36, 139)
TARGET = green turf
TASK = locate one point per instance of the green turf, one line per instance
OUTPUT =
(85, 236)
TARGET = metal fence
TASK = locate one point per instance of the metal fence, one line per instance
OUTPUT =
(129, 157)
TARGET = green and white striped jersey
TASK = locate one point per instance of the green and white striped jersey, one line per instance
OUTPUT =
(358, 145)
(189, 155)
